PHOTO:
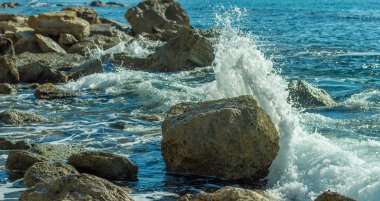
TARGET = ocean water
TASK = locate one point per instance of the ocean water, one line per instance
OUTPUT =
(332, 44)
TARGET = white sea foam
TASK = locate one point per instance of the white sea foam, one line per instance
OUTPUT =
(307, 164)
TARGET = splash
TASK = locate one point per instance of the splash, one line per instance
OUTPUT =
(307, 164)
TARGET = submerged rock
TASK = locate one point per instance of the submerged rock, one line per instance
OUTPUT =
(46, 172)
(105, 165)
(6, 144)
(97, 3)
(8, 89)
(48, 45)
(16, 117)
(6, 47)
(77, 187)
(229, 193)
(332, 196)
(50, 91)
(8, 70)
(303, 94)
(230, 138)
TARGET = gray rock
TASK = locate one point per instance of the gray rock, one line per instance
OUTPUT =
(6, 144)
(21, 160)
(48, 45)
(27, 45)
(332, 196)
(105, 165)
(97, 3)
(77, 187)
(8, 70)
(46, 172)
(37, 72)
(6, 47)
(16, 117)
(53, 60)
(229, 138)
(67, 39)
(8, 89)
(88, 68)
(303, 94)
(50, 91)
(56, 152)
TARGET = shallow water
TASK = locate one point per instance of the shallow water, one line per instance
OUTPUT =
(332, 44)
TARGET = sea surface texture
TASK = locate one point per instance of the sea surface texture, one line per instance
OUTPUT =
(333, 44)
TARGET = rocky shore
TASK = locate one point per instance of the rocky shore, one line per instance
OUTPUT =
(232, 139)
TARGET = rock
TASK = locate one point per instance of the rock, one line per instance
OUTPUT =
(88, 14)
(16, 117)
(9, 5)
(153, 16)
(229, 138)
(67, 39)
(6, 144)
(303, 94)
(29, 86)
(111, 3)
(332, 196)
(97, 3)
(48, 45)
(229, 193)
(88, 68)
(103, 29)
(77, 187)
(6, 88)
(55, 152)
(105, 165)
(54, 60)
(27, 45)
(8, 70)
(46, 172)
(21, 160)
(118, 25)
(60, 22)
(50, 91)
(24, 32)
(37, 72)
(6, 47)
(22, 19)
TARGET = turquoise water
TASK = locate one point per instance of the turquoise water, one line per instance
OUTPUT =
(333, 44)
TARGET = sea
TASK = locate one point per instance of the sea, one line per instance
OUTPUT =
(333, 44)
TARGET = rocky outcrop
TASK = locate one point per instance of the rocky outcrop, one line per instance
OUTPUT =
(50, 91)
(59, 22)
(48, 45)
(6, 144)
(303, 94)
(229, 138)
(155, 16)
(229, 193)
(8, 89)
(38, 72)
(16, 117)
(46, 172)
(88, 14)
(77, 187)
(8, 70)
(6, 47)
(67, 39)
(332, 196)
(105, 165)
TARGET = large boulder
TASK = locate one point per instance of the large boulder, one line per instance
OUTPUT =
(105, 165)
(332, 196)
(48, 45)
(229, 138)
(303, 94)
(59, 22)
(155, 16)
(21, 160)
(16, 117)
(47, 171)
(229, 193)
(8, 89)
(8, 70)
(6, 47)
(38, 72)
(77, 187)
(88, 14)
(50, 91)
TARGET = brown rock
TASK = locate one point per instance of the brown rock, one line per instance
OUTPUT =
(16, 117)
(6, 47)
(27, 45)
(48, 45)
(88, 14)
(230, 138)
(8, 70)
(37, 72)
(6, 88)
(332, 196)
(77, 187)
(105, 165)
(6, 144)
(88, 68)
(21, 160)
(67, 39)
(60, 22)
(50, 91)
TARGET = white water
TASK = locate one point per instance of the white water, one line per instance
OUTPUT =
(307, 163)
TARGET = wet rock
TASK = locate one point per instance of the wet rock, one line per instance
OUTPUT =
(303, 94)
(111, 3)
(6, 47)
(97, 3)
(332, 196)
(50, 91)
(154, 16)
(229, 193)
(88, 68)
(21, 160)
(16, 117)
(8, 70)
(67, 39)
(55, 152)
(59, 22)
(9, 5)
(77, 187)
(151, 118)
(37, 72)
(48, 45)
(46, 172)
(6, 144)
(118, 125)
(8, 89)
(105, 165)
(88, 14)
(27, 45)
(229, 138)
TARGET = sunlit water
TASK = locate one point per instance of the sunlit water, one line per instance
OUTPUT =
(332, 44)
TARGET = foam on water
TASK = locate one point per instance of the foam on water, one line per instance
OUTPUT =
(307, 163)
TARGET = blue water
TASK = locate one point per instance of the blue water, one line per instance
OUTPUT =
(332, 44)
